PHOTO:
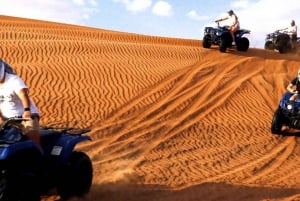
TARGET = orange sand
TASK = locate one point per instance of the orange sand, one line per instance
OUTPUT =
(170, 120)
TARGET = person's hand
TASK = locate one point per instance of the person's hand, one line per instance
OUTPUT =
(1, 121)
(26, 115)
(295, 92)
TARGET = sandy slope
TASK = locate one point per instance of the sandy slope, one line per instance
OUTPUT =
(170, 120)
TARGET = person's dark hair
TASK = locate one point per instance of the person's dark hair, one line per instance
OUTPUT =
(7, 67)
(293, 22)
(230, 12)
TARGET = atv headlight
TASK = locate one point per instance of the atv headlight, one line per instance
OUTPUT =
(289, 106)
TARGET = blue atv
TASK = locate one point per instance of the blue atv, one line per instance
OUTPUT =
(221, 36)
(28, 172)
(281, 41)
(287, 114)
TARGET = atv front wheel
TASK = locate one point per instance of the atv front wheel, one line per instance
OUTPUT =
(19, 179)
(206, 43)
(76, 179)
(223, 45)
(269, 45)
(277, 122)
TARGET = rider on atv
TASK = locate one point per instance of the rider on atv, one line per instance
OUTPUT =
(294, 87)
(15, 102)
(234, 24)
(291, 31)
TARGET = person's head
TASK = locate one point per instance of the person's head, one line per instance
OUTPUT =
(298, 74)
(230, 12)
(293, 23)
(2, 73)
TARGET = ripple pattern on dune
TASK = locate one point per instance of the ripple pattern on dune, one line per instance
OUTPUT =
(162, 111)
(197, 137)
(88, 73)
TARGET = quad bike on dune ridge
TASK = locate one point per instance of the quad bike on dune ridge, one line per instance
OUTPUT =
(281, 41)
(28, 171)
(287, 114)
(221, 36)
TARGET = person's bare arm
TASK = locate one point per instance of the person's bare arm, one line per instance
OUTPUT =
(23, 95)
(290, 87)
(221, 19)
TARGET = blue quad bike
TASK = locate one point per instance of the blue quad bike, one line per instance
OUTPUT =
(221, 36)
(28, 171)
(287, 114)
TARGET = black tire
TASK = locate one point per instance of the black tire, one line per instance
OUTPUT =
(225, 41)
(269, 45)
(223, 45)
(19, 180)
(206, 43)
(76, 179)
(242, 44)
(3, 186)
(277, 122)
(282, 43)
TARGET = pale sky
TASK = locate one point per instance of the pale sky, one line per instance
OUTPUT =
(169, 18)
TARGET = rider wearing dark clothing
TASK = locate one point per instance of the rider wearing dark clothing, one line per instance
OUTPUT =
(296, 83)
(294, 87)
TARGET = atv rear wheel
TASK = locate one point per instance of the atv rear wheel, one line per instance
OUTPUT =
(206, 43)
(277, 122)
(242, 44)
(76, 179)
(282, 43)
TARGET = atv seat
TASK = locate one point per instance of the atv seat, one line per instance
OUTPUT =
(47, 132)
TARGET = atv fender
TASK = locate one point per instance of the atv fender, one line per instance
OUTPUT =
(64, 146)
(9, 150)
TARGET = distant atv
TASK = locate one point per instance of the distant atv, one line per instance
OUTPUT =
(28, 171)
(221, 36)
(281, 41)
(287, 114)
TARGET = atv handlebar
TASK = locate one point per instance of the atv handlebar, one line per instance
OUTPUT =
(294, 92)
(12, 121)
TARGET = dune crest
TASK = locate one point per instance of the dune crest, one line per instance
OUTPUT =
(169, 119)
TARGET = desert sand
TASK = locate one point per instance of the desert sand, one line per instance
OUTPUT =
(169, 120)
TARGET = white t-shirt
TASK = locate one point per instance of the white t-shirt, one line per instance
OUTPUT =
(292, 29)
(233, 21)
(10, 104)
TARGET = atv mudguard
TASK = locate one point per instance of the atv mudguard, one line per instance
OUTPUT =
(60, 145)
(11, 144)
(9, 150)
(284, 98)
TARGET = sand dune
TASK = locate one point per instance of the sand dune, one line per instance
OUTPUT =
(170, 120)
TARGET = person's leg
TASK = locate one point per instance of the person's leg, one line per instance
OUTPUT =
(232, 36)
(293, 97)
(32, 129)
(233, 29)
(293, 40)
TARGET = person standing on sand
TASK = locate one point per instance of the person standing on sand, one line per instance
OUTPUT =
(15, 102)
(234, 24)
(294, 87)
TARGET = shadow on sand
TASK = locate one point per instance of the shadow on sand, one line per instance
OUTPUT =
(202, 192)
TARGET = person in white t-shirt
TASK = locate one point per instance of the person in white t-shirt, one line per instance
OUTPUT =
(292, 31)
(234, 24)
(15, 102)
